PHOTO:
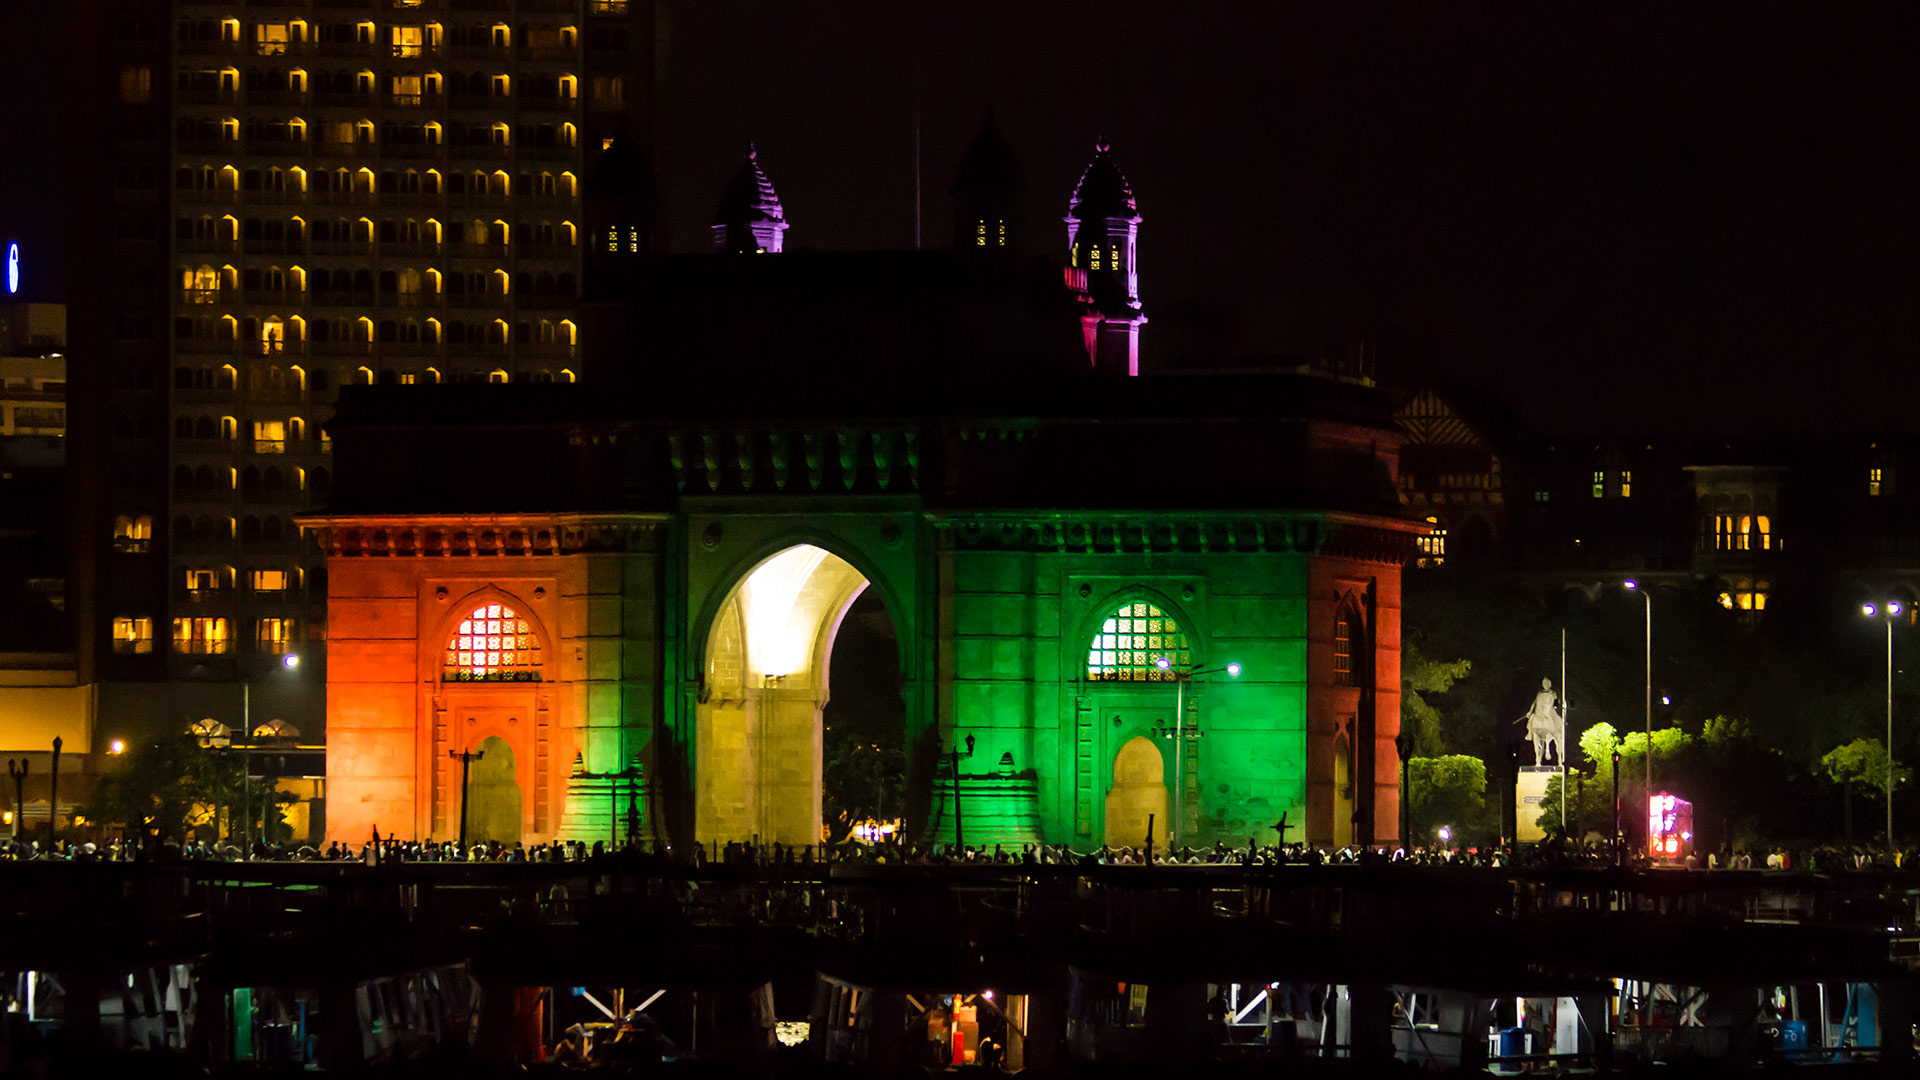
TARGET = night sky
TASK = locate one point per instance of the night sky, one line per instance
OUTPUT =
(1617, 213)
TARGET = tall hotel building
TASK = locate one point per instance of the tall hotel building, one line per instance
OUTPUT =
(301, 196)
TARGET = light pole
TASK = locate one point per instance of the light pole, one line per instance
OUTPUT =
(959, 839)
(290, 662)
(1403, 743)
(19, 794)
(1647, 595)
(1180, 680)
(1887, 612)
(466, 758)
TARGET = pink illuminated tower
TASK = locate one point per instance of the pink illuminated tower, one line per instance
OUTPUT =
(1103, 227)
(749, 221)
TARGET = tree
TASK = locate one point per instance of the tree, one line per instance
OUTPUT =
(1450, 790)
(1863, 762)
(171, 786)
(1420, 678)
(861, 782)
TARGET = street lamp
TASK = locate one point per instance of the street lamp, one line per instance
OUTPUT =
(290, 661)
(1180, 680)
(959, 839)
(1887, 613)
(1647, 595)
(1403, 743)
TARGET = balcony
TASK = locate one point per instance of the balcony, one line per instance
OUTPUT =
(196, 647)
(137, 646)
(269, 446)
(203, 446)
(206, 245)
(209, 96)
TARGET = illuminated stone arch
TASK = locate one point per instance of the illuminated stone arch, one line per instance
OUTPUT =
(766, 639)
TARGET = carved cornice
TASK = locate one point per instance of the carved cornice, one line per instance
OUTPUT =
(1365, 538)
(457, 535)
(794, 461)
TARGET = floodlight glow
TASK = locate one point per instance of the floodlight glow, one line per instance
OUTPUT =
(1867, 610)
(1233, 669)
(1162, 663)
(291, 661)
(1633, 584)
(1893, 608)
(116, 747)
(1446, 834)
(988, 994)
(1665, 700)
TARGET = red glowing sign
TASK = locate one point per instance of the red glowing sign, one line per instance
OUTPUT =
(1669, 827)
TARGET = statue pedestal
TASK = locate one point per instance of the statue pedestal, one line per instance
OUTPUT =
(1529, 793)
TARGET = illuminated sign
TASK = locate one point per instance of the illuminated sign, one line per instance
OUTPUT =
(13, 269)
(1669, 827)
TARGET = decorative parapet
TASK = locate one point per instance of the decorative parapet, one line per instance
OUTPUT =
(1368, 539)
(455, 535)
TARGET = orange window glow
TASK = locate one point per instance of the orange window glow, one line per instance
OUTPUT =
(493, 644)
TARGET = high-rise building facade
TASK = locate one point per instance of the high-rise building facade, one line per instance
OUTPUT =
(306, 195)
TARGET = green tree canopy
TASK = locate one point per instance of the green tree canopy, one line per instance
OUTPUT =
(1422, 678)
(1863, 762)
(1450, 790)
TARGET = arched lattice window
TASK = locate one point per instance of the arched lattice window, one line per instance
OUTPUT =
(1346, 643)
(1131, 643)
(494, 644)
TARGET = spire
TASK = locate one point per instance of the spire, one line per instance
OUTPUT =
(987, 195)
(1103, 190)
(750, 219)
(1103, 230)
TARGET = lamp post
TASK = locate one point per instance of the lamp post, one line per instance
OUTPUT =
(1180, 680)
(1616, 808)
(53, 799)
(19, 775)
(954, 755)
(466, 758)
(289, 662)
(1647, 595)
(1887, 612)
(1403, 743)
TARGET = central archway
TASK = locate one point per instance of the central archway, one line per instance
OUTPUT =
(764, 687)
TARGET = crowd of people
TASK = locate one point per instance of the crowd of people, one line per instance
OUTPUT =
(1548, 854)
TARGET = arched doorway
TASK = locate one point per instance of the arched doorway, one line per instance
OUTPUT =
(1139, 791)
(493, 795)
(863, 726)
(1342, 790)
(759, 751)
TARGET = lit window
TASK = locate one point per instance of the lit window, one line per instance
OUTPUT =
(1723, 532)
(136, 85)
(1131, 643)
(132, 534)
(269, 581)
(1599, 484)
(979, 234)
(270, 39)
(1763, 533)
(269, 437)
(133, 634)
(273, 635)
(201, 583)
(407, 40)
(1874, 479)
(1433, 546)
(1000, 234)
(1542, 496)
(200, 635)
(1626, 483)
(1345, 627)
(493, 644)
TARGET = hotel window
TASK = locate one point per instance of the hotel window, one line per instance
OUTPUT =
(1542, 496)
(136, 85)
(133, 634)
(1746, 596)
(408, 40)
(1345, 633)
(269, 437)
(270, 39)
(269, 582)
(1131, 643)
(1874, 479)
(609, 89)
(200, 635)
(1433, 546)
(133, 535)
(203, 583)
(493, 644)
(1723, 532)
(273, 635)
(1599, 484)
(1626, 483)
